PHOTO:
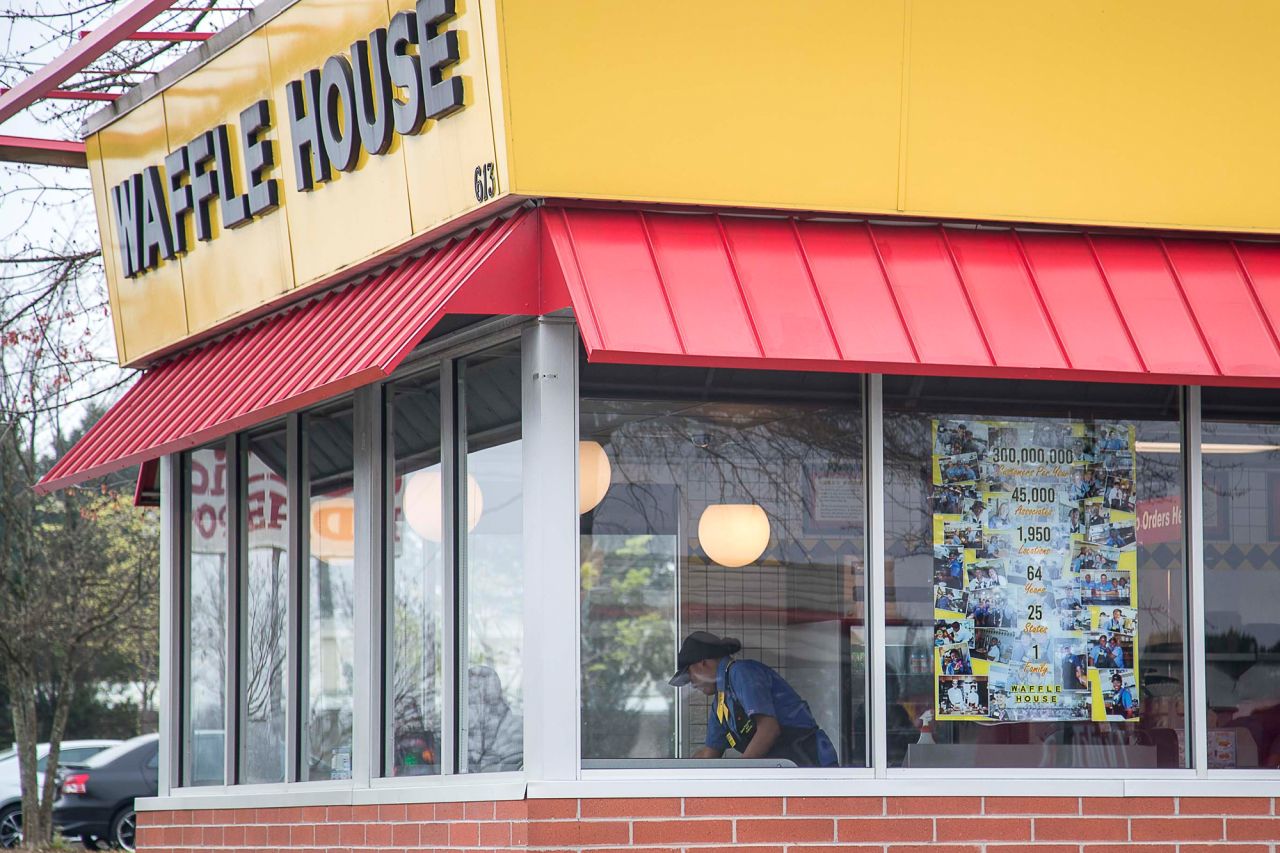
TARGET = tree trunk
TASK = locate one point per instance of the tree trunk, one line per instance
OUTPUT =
(36, 830)
(61, 711)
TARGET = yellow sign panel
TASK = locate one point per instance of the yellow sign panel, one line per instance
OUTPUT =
(1148, 113)
(340, 130)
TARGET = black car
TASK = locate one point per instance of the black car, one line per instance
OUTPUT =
(95, 801)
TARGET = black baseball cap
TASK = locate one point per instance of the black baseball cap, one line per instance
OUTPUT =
(700, 645)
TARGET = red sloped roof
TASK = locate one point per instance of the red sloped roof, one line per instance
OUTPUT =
(313, 351)
(796, 293)
(715, 289)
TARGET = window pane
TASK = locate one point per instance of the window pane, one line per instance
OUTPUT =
(1241, 452)
(416, 613)
(490, 512)
(1034, 574)
(266, 604)
(206, 507)
(729, 502)
(330, 628)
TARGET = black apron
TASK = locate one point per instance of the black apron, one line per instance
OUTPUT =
(796, 744)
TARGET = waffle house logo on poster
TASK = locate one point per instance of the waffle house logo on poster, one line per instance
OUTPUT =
(1035, 570)
(393, 82)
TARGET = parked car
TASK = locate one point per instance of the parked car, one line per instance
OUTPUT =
(72, 752)
(96, 797)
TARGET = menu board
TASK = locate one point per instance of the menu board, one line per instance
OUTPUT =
(1035, 570)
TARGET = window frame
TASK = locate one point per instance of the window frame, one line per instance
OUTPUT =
(553, 765)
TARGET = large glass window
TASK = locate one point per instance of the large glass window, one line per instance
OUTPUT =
(265, 606)
(207, 555)
(729, 503)
(490, 519)
(1241, 464)
(1035, 574)
(415, 608)
(330, 594)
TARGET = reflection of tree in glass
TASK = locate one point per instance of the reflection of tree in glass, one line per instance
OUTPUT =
(208, 640)
(331, 667)
(627, 637)
(268, 622)
(267, 603)
(416, 675)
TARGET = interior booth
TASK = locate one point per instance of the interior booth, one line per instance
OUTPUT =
(468, 399)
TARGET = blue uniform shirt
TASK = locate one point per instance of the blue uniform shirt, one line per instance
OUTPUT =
(760, 690)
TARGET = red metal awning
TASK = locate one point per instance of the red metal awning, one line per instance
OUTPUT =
(794, 293)
(707, 289)
(314, 351)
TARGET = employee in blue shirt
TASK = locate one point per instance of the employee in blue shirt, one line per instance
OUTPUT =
(1117, 653)
(755, 711)
(1122, 703)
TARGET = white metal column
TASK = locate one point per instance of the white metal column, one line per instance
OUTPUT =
(170, 622)
(874, 451)
(550, 443)
(367, 486)
(1194, 525)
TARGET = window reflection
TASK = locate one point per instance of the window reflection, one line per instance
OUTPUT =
(1034, 665)
(416, 609)
(266, 608)
(330, 595)
(490, 512)
(206, 506)
(734, 505)
(1241, 463)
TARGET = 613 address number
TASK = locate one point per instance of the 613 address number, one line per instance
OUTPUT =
(486, 182)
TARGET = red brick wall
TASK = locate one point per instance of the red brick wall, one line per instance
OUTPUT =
(762, 825)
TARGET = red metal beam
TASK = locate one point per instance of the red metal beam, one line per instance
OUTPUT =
(119, 26)
(42, 152)
(149, 36)
(73, 95)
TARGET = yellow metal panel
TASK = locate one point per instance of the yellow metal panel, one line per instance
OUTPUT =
(717, 101)
(490, 26)
(151, 306)
(440, 162)
(93, 153)
(238, 270)
(358, 214)
(1143, 112)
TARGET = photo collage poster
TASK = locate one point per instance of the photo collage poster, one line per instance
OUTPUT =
(1035, 571)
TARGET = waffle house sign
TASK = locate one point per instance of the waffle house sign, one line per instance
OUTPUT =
(392, 83)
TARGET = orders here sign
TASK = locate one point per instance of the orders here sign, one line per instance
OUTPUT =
(1035, 570)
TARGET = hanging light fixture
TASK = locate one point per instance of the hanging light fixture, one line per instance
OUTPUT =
(594, 474)
(333, 528)
(734, 535)
(422, 503)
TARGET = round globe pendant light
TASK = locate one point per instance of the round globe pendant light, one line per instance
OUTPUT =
(733, 535)
(422, 503)
(594, 474)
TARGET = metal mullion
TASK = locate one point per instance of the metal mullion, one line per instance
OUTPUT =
(387, 592)
(367, 487)
(452, 717)
(182, 589)
(172, 646)
(876, 630)
(296, 686)
(1193, 526)
(238, 491)
(236, 586)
